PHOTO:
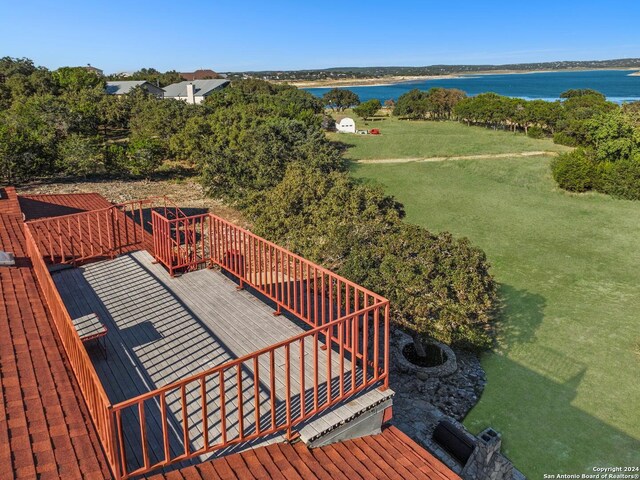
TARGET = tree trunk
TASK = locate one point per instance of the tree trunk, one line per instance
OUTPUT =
(419, 346)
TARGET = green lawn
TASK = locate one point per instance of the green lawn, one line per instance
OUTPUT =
(564, 382)
(420, 139)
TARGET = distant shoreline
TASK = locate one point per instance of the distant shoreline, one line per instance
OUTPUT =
(394, 80)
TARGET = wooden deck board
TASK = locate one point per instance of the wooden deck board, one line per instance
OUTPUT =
(162, 329)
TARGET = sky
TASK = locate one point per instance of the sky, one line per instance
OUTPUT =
(238, 35)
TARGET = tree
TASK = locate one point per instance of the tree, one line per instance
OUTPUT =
(321, 216)
(574, 171)
(155, 77)
(81, 155)
(613, 136)
(581, 92)
(413, 104)
(144, 155)
(438, 287)
(368, 108)
(339, 99)
(77, 78)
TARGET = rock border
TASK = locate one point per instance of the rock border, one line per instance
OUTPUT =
(423, 373)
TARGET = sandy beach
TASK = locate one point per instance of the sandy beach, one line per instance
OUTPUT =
(392, 80)
(365, 82)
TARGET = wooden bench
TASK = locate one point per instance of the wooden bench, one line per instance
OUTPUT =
(89, 328)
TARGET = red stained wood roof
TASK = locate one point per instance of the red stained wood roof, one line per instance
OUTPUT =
(45, 429)
(40, 206)
(390, 455)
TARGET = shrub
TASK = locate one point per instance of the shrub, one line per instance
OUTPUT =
(535, 132)
(438, 286)
(115, 157)
(562, 138)
(622, 178)
(574, 171)
(144, 155)
(80, 155)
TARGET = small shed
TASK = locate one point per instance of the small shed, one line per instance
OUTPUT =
(346, 125)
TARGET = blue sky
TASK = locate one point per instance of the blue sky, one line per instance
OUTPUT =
(234, 35)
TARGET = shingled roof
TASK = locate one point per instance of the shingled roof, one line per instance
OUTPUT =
(45, 429)
(390, 455)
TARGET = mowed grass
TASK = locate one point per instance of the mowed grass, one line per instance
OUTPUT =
(422, 139)
(564, 381)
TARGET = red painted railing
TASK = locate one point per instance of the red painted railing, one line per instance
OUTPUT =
(103, 233)
(344, 350)
(92, 390)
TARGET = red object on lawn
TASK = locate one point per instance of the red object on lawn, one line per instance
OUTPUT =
(374, 131)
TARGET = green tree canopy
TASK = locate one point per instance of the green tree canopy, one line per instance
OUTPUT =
(77, 78)
(340, 98)
(368, 108)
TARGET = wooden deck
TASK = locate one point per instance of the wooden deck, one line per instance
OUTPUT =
(163, 329)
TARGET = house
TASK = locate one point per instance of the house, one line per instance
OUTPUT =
(122, 87)
(191, 366)
(195, 91)
(346, 125)
(94, 70)
(200, 75)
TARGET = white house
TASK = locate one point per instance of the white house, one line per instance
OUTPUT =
(194, 91)
(122, 87)
(346, 125)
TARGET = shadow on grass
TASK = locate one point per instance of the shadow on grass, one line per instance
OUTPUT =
(548, 432)
(521, 314)
(545, 431)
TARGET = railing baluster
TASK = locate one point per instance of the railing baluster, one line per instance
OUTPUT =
(376, 343)
(272, 387)
(123, 451)
(165, 426)
(185, 419)
(256, 393)
(365, 347)
(302, 375)
(308, 281)
(341, 343)
(223, 408)
(386, 344)
(354, 351)
(90, 234)
(240, 401)
(143, 434)
(287, 386)
(328, 344)
(205, 413)
(316, 385)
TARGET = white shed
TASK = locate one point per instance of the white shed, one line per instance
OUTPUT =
(346, 125)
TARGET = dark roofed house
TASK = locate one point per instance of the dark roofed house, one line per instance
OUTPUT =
(194, 91)
(200, 75)
(122, 87)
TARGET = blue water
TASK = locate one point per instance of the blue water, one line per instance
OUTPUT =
(617, 85)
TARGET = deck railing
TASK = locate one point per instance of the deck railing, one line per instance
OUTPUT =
(92, 390)
(103, 233)
(344, 350)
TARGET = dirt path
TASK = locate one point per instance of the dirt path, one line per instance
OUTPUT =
(488, 156)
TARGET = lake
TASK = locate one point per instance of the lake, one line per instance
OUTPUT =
(618, 85)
